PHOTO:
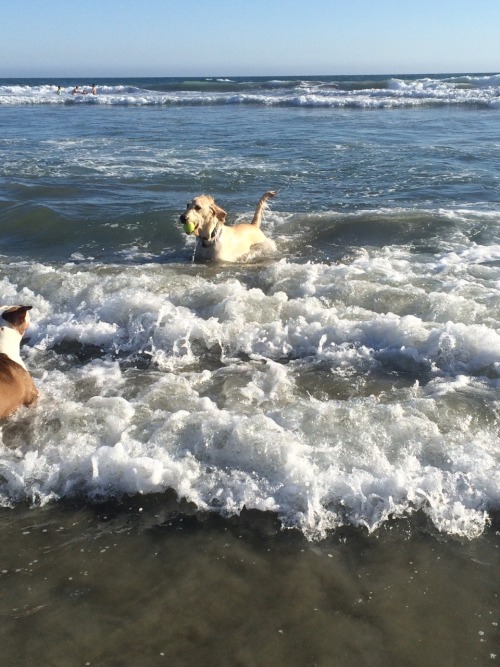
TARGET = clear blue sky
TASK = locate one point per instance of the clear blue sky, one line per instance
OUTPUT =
(77, 38)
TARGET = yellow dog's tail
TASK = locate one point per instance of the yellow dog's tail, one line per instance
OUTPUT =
(257, 216)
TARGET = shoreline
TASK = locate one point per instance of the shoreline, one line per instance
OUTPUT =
(167, 510)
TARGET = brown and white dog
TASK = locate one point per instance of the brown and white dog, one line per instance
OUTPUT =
(216, 240)
(16, 386)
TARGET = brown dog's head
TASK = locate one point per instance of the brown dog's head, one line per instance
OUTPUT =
(17, 316)
(205, 215)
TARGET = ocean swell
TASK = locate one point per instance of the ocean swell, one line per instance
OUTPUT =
(326, 92)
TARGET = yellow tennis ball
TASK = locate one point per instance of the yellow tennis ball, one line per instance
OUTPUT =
(188, 227)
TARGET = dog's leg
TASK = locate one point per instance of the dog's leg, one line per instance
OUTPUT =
(257, 216)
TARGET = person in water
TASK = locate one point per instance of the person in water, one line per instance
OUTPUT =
(94, 89)
(58, 91)
(76, 90)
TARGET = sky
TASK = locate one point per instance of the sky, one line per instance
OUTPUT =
(99, 38)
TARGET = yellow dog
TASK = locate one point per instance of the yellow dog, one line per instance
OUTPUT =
(216, 240)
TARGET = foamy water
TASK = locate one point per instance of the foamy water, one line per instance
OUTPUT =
(350, 376)
(292, 394)
(361, 92)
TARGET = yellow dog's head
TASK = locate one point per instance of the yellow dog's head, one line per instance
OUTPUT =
(202, 216)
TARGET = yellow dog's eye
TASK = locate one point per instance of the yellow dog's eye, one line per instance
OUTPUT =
(197, 207)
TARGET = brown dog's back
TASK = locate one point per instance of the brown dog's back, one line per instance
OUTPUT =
(16, 386)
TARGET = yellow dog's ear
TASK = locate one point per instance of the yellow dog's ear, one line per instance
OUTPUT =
(219, 212)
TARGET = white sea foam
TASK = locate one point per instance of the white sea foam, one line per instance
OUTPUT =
(474, 254)
(130, 403)
(464, 90)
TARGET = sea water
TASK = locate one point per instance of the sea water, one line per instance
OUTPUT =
(346, 380)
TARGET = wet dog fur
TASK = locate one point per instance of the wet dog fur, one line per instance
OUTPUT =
(16, 385)
(215, 239)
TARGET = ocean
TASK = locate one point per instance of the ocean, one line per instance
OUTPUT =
(292, 459)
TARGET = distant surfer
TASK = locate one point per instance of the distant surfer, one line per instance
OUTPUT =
(58, 91)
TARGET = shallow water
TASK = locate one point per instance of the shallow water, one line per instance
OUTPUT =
(152, 583)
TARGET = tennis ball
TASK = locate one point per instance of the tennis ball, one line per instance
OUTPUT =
(188, 227)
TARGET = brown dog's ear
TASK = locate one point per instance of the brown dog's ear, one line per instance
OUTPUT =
(16, 315)
(219, 212)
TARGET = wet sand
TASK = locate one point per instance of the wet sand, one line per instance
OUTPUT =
(152, 582)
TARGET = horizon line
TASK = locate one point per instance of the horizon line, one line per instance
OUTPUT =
(239, 76)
